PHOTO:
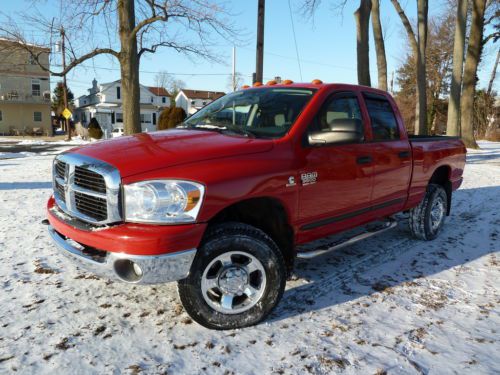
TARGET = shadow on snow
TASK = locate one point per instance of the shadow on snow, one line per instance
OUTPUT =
(393, 257)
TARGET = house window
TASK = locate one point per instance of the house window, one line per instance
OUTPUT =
(1, 116)
(204, 103)
(192, 102)
(35, 87)
(37, 116)
(118, 96)
(154, 118)
(152, 100)
(145, 118)
(119, 117)
(163, 99)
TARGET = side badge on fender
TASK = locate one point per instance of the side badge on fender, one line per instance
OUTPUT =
(309, 178)
(291, 181)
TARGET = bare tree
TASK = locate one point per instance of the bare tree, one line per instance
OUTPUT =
(453, 122)
(362, 17)
(439, 54)
(418, 44)
(235, 84)
(421, 110)
(379, 46)
(169, 83)
(470, 72)
(493, 74)
(140, 31)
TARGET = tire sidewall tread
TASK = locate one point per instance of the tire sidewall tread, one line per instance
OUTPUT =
(219, 239)
(419, 220)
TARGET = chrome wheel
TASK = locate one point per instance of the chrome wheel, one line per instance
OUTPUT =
(437, 213)
(233, 282)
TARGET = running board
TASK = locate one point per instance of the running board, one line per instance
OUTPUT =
(389, 224)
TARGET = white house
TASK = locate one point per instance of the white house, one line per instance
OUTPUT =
(104, 102)
(192, 100)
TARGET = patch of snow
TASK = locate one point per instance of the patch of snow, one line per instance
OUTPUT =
(387, 304)
(15, 155)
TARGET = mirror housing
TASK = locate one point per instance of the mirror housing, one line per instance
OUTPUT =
(340, 131)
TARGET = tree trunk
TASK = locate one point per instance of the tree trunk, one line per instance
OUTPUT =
(129, 67)
(453, 123)
(493, 74)
(421, 110)
(490, 130)
(414, 46)
(379, 46)
(470, 72)
(362, 17)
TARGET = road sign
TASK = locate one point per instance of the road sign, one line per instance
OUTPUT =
(67, 113)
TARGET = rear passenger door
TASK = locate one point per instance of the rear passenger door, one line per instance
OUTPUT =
(391, 156)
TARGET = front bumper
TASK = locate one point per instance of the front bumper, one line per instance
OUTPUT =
(162, 253)
(154, 269)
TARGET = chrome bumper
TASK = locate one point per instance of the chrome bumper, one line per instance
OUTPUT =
(155, 269)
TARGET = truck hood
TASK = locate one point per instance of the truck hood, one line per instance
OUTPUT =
(146, 152)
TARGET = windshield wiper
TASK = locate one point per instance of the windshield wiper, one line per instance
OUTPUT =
(238, 130)
(224, 129)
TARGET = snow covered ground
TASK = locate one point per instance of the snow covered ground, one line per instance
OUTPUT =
(389, 304)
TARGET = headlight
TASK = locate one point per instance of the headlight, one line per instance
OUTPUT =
(163, 201)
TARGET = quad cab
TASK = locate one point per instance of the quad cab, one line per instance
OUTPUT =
(225, 203)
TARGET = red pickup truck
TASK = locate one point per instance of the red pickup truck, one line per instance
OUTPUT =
(224, 203)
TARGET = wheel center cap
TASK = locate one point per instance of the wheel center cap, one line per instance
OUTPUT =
(233, 280)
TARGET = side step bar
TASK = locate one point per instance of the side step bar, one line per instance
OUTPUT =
(389, 224)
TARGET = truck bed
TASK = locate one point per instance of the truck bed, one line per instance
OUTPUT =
(430, 138)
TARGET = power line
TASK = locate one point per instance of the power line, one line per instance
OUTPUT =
(295, 40)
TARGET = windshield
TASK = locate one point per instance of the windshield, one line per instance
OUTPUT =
(264, 113)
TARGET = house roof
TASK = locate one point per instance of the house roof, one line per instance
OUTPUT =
(22, 44)
(158, 91)
(200, 94)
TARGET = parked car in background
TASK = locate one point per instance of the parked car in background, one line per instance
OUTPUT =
(117, 132)
(225, 203)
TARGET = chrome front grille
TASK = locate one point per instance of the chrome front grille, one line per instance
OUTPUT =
(87, 188)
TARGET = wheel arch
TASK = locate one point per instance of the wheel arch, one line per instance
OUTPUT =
(441, 176)
(267, 214)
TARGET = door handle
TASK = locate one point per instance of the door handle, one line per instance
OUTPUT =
(404, 154)
(364, 160)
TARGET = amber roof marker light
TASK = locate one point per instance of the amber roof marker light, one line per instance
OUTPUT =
(245, 87)
(317, 82)
(257, 84)
(287, 82)
(271, 83)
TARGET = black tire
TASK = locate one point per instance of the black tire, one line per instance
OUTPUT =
(226, 238)
(422, 223)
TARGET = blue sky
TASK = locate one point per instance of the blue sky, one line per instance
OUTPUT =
(326, 44)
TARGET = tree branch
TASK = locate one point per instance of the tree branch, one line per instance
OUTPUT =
(407, 25)
(146, 22)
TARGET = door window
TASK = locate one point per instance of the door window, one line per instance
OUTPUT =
(339, 107)
(383, 121)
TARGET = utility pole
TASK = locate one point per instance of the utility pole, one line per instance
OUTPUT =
(260, 42)
(234, 68)
(65, 89)
(392, 83)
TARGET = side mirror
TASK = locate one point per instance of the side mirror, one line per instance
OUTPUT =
(340, 131)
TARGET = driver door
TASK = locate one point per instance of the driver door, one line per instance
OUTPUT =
(336, 178)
